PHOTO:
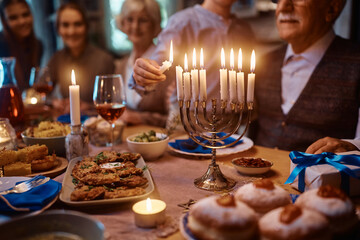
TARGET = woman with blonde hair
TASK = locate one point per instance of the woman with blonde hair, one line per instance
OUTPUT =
(140, 21)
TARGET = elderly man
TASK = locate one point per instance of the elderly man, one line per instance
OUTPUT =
(308, 89)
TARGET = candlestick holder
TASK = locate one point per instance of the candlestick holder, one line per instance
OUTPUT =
(208, 125)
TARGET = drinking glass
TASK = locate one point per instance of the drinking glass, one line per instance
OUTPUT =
(40, 80)
(109, 99)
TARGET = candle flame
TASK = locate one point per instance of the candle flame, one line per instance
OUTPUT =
(148, 205)
(73, 80)
(222, 58)
(240, 60)
(171, 57)
(201, 58)
(194, 59)
(252, 65)
(232, 59)
(185, 63)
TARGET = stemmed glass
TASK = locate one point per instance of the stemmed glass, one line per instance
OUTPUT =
(41, 81)
(109, 99)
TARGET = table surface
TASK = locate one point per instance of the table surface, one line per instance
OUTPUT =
(279, 173)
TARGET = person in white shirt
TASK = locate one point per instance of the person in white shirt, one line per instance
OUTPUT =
(309, 89)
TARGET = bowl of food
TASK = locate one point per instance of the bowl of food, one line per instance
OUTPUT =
(150, 145)
(250, 165)
(51, 134)
(55, 224)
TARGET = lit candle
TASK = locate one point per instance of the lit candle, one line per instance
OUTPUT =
(167, 64)
(203, 95)
(187, 86)
(240, 79)
(195, 78)
(149, 213)
(223, 78)
(251, 79)
(232, 78)
(179, 83)
(74, 95)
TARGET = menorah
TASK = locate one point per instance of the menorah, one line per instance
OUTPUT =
(205, 125)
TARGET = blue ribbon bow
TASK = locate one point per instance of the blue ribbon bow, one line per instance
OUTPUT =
(304, 160)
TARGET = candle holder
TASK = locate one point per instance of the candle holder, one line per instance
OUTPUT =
(207, 126)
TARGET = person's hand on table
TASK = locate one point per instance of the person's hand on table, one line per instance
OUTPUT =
(147, 72)
(328, 144)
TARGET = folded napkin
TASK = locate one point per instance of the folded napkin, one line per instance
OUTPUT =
(66, 118)
(32, 200)
(188, 145)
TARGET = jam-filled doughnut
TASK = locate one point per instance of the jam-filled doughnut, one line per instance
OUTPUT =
(222, 218)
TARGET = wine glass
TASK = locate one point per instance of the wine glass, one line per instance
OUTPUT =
(109, 99)
(40, 80)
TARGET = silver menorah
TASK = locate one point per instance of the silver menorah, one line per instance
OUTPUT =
(207, 125)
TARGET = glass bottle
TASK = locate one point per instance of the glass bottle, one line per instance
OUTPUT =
(11, 106)
(7, 135)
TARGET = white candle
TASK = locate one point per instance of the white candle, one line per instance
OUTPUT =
(251, 79)
(232, 78)
(203, 95)
(195, 79)
(240, 79)
(223, 78)
(187, 84)
(74, 95)
(179, 83)
(167, 64)
(149, 213)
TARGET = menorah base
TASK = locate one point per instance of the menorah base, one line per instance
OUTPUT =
(214, 180)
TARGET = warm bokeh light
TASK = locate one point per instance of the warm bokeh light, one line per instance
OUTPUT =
(148, 205)
(232, 59)
(185, 63)
(194, 59)
(171, 57)
(201, 58)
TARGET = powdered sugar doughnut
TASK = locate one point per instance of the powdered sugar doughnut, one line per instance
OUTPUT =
(263, 196)
(222, 218)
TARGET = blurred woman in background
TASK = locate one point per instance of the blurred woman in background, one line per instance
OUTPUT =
(78, 54)
(18, 39)
(140, 21)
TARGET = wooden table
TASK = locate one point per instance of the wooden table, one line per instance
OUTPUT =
(279, 173)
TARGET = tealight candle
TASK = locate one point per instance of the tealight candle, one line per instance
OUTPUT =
(149, 213)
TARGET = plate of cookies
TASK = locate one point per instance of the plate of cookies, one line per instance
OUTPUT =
(31, 161)
(106, 178)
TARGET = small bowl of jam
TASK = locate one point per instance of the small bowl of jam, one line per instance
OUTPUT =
(250, 165)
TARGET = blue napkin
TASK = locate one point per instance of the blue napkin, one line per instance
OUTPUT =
(32, 200)
(66, 118)
(188, 145)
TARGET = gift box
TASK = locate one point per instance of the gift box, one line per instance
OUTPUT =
(308, 171)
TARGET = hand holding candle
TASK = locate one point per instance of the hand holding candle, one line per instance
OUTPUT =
(167, 64)
(149, 213)
(251, 79)
(74, 95)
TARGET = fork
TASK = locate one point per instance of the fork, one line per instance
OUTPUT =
(27, 185)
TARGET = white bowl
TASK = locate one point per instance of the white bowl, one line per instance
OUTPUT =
(54, 144)
(149, 150)
(251, 170)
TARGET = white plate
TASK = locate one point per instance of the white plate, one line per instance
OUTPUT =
(68, 187)
(184, 229)
(245, 145)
